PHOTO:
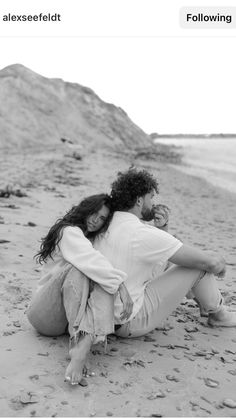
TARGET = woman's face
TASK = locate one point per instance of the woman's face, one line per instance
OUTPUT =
(97, 220)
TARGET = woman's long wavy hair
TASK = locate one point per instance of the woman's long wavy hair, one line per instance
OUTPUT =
(77, 216)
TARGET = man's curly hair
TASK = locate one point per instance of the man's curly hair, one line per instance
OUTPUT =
(129, 186)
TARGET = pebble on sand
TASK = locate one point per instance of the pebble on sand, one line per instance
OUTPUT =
(232, 372)
(229, 403)
(211, 383)
(191, 329)
(172, 378)
(158, 379)
(28, 397)
(83, 382)
(158, 394)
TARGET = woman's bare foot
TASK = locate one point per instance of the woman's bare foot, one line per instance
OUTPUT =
(78, 354)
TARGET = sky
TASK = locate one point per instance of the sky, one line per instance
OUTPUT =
(166, 84)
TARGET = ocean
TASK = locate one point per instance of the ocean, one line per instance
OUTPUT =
(208, 158)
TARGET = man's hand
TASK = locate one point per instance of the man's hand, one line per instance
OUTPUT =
(161, 215)
(219, 266)
(127, 302)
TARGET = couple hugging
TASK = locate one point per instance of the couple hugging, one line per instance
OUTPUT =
(106, 270)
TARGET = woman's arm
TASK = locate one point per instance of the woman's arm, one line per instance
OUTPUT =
(78, 250)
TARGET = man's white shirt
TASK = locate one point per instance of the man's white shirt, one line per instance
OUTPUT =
(138, 249)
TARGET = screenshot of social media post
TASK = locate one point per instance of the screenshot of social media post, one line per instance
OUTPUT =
(117, 208)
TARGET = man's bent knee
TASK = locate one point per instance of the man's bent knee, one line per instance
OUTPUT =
(212, 305)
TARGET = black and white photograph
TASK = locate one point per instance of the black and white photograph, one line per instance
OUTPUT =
(117, 209)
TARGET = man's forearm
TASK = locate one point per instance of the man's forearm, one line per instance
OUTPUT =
(190, 257)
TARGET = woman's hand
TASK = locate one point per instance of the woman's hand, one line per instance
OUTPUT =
(161, 216)
(127, 302)
(222, 273)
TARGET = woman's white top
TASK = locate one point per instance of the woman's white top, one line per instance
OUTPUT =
(76, 249)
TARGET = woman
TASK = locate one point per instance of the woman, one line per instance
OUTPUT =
(78, 284)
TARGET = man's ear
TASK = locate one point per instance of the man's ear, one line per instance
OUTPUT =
(139, 201)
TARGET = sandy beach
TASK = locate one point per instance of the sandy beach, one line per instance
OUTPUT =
(183, 369)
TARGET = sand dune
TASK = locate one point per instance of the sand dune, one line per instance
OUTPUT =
(37, 111)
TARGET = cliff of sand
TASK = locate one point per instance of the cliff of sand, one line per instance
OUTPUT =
(36, 111)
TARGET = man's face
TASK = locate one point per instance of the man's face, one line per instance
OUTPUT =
(147, 209)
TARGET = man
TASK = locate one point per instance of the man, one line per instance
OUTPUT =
(143, 251)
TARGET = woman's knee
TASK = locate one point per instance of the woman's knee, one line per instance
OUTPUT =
(46, 313)
(45, 325)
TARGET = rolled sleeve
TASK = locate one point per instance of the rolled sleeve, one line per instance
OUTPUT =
(78, 250)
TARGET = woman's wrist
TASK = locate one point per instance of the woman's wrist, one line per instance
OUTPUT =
(121, 286)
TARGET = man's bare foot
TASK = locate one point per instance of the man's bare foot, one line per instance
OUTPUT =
(78, 354)
(223, 318)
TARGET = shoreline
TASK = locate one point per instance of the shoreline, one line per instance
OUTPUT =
(223, 184)
(156, 136)
(177, 361)
(211, 159)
